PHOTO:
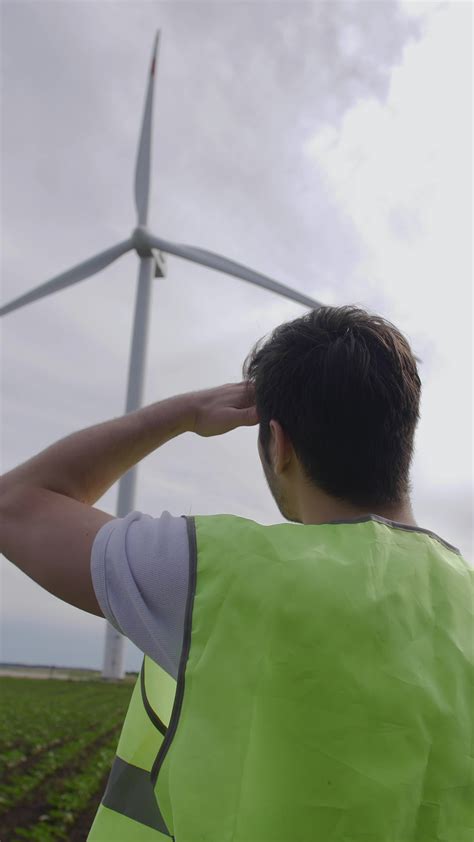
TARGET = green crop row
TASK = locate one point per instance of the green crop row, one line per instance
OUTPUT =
(11, 757)
(57, 739)
(46, 710)
(59, 709)
(68, 800)
(52, 761)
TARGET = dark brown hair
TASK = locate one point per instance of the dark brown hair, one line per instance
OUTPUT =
(344, 386)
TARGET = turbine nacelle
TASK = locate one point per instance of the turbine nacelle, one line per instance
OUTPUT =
(141, 241)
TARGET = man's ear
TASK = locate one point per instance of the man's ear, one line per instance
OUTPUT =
(280, 446)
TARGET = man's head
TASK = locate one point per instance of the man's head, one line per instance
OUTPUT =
(337, 392)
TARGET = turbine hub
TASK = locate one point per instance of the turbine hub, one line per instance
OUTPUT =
(141, 244)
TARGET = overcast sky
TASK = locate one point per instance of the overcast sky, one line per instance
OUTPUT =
(326, 144)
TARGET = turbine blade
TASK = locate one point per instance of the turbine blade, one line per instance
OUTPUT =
(230, 267)
(72, 276)
(142, 169)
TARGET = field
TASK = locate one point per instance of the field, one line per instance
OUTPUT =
(57, 744)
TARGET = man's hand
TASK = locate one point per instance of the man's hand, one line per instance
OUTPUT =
(223, 408)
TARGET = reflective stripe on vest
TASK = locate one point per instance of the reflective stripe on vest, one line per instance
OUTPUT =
(128, 809)
(324, 691)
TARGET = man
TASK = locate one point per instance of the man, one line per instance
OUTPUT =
(306, 683)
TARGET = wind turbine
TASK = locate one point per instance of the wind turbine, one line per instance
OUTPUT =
(152, 264)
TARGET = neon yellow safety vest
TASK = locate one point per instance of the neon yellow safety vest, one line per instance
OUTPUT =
(325, 693)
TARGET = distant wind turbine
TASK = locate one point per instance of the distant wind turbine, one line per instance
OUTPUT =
(152, 264)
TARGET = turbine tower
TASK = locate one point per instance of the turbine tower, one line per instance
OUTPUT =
(151, 251)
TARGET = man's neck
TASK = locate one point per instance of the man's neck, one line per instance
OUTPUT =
(325, 512)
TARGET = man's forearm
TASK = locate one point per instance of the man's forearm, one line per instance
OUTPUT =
(84, 465)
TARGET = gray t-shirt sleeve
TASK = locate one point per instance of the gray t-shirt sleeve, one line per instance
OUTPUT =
(140, 574)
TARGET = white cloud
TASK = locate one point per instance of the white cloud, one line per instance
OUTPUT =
(400, 170)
